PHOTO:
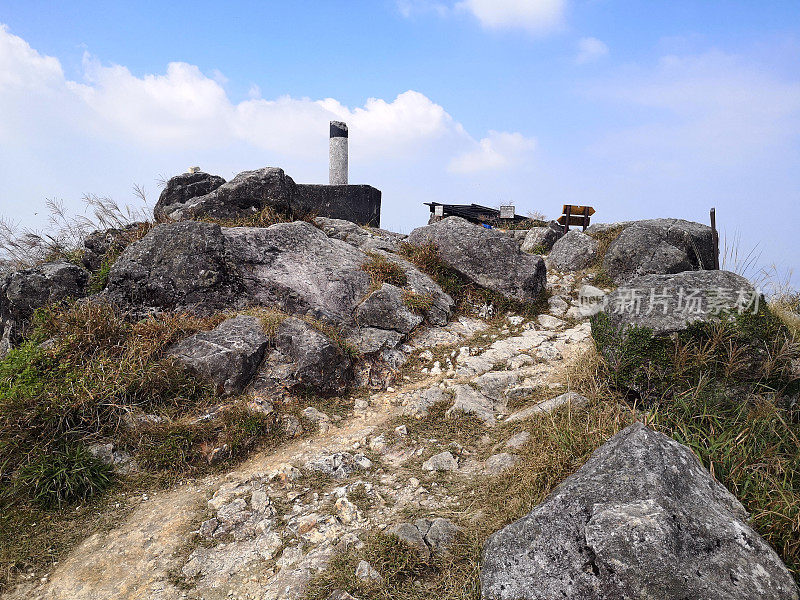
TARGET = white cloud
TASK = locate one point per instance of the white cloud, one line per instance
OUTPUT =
(499, 150)
(590, 49)
(112, 128)
(409, 8)
(535, 16)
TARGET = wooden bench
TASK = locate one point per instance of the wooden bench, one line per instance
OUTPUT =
(575, 215)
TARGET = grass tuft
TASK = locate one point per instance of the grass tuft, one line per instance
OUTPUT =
(381, 270)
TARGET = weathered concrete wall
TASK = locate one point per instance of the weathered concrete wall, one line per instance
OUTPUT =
(357, 203)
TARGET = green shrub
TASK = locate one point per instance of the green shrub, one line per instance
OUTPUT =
(62, 476)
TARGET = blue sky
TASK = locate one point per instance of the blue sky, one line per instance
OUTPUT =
(641, 109)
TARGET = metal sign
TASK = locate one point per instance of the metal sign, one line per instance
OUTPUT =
(507, 212)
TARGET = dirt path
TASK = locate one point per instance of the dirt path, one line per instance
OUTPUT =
(143, 557)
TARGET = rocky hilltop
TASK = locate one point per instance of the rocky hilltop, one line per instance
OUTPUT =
(244, 400)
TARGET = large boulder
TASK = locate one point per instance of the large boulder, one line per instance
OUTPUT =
(183, 188)
(22, 292)
(659, 246)
(296, 267)
(318, 362)
(100, 244)
(641, 519)
(362, 237)
(177, 266)
(573, 252)
(228, 355)
(385, 308)
(245, 195)
(484, 256)
(668, 303)
(539, 240)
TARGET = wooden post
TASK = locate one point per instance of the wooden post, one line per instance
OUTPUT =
(567, 213)
(715, 238)
(585, 217)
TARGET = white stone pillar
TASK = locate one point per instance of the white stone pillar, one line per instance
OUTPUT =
(338, 153)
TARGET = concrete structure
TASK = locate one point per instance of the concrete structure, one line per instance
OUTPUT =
(338, 153)
(357, 203)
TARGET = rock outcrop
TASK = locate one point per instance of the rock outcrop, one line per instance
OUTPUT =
(641, 519)
(228, 355)
(667, 303)
(245, 195)
(539, 240)
(22, 292)
(177, 266)
(659, 246)
(573, 252)
(486, 257)
(183, 188)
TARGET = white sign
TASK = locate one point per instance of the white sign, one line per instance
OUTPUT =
(438, 210)
(507, 212)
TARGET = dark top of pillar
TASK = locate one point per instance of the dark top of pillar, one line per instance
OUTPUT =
(338, 129)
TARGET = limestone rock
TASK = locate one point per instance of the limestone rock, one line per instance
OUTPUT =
(444, 461)
(427, 536)
(486, 257)
(385, 308)
(497, 463)
(296, 267)
(22, 292)
(541, 239)
(548, 406)
(659, 246)
(666, 303)
(244, 195)
(573, 252)
(472, 402)
(339, 465)
(182, 188)
(641, 519)
(317, 362)
(228, 355)
(99, 243)
(177, 266)
(363, 238)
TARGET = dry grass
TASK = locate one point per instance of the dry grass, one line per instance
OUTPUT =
(264, 218)
(22, 247)
(382, 270)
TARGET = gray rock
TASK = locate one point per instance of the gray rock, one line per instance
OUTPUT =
(439, 534)
(99, 243)
(22, 292)
(518, 440)
(444, 461)
(419, 402)
(182, 188)
(244, 195)
(362, 237)
(385, 308)
(541, 239)
(470, 401)
(296, 267)
(495, 383)
(497, 463)
(641, 519)
(548, 406)
(659, 246)
(573, 252)
(667, 303)
(339, 465)
(317, 362)
(366, 572)
(228, 355)
(340, 595)
(177, 266)
(369, 340)
(486, 257)
(427, 536)
(409, 534)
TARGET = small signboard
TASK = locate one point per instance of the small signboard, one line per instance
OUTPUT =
(507, 211)
(438, 210)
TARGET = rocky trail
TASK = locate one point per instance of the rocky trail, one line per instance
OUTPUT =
(262, 529)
